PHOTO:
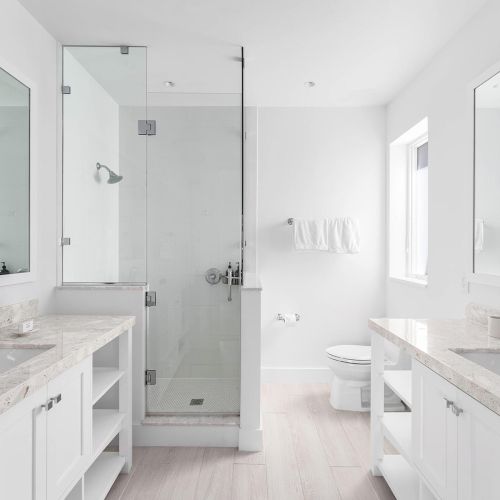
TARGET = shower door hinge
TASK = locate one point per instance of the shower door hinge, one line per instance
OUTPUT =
(150, 299)
(66, 89)
(150, 377)
(146, 127)
(124, 50)
(65, 241)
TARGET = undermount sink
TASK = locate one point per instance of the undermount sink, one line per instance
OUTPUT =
(12, 357)
(487, 359)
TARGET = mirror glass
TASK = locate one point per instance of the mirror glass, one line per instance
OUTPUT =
(14, 175)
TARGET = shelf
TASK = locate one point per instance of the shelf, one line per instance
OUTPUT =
(106, 424)
(102, 380)
(102, 474)
(400, 382)
(397, 429)
(400, 477)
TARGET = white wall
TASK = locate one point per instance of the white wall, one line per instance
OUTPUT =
(441, 93)
(26, 48)
(91, 205)
(317, 162)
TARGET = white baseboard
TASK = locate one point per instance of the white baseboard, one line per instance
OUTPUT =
(186, 435)
(296, 375)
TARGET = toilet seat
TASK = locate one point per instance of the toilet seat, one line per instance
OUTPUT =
(352, 354)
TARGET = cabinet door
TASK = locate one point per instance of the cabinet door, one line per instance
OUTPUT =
(478, 450)
(69, 431)
(22, 449)
(434, 429)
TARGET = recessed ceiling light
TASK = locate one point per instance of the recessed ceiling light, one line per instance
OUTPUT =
(309, 84)
(169, 83)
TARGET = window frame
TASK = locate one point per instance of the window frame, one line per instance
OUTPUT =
(411, 207)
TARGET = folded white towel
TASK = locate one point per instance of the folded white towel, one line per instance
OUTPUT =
(343, 235)
(478, 235)
(310, 234)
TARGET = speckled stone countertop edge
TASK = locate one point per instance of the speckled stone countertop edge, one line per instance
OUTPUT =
(438, 354)
(25, 379)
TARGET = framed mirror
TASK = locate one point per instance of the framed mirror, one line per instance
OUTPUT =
(15, 178)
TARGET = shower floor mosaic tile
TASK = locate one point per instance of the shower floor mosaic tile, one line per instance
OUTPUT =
(194, 395)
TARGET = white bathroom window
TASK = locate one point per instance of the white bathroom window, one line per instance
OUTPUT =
(409, 205)
(417, 225)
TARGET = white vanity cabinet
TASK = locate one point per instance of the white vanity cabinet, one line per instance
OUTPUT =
(23, 449)
(46, 440)
(456, 439)
(69, 431)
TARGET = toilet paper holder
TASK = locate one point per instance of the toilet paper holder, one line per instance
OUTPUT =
(280, 317)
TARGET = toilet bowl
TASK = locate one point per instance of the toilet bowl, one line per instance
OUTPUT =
(351, 368)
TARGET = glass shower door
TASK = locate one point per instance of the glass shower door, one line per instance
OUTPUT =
(194, 232)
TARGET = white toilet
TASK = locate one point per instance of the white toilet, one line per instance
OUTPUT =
(351, 367)
(350, 388)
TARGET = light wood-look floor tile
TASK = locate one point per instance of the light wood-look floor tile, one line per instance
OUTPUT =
(275, 398)
(249, 482)
(283, 479)
(337, 446)
(216, 475)
(315, 475)
(354, 483)
(250, 457)
(182, 473)
(311, 452)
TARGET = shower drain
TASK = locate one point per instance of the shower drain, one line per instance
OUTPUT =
(196, 402)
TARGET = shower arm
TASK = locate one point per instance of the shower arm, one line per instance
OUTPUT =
(100, 165)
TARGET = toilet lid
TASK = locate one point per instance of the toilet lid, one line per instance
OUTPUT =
(358, 354)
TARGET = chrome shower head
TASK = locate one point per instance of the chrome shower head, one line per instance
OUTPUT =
(113, 178)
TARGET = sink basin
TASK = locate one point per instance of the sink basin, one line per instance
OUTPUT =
(12, 357)
(487, 359)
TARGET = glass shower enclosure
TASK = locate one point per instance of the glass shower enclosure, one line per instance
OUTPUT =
(152, 193)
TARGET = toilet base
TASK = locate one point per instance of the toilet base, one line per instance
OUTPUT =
(355, 395)
(350, 395)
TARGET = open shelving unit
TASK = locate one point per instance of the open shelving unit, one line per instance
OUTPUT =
(111, 420)
(102, 474)
(400, 382)
(396, 427)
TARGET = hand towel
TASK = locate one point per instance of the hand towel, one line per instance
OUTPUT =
(310, 234)
(478, 235)
(343, 235)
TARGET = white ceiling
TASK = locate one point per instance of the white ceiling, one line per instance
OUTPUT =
(359, 52)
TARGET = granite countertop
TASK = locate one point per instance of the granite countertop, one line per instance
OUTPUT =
(431, 341)
(69, 338)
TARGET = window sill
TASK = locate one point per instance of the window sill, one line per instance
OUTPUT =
(409, 281)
